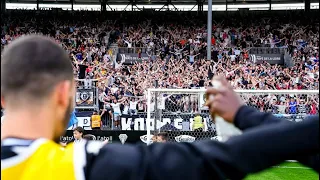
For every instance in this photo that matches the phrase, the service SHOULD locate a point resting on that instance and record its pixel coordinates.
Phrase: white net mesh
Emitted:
(182, 115)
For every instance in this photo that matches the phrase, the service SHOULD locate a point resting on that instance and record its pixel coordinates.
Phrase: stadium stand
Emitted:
(121, 57)
(117, 56)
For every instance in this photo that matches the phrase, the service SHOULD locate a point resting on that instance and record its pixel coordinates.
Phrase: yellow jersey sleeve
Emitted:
(44, 160)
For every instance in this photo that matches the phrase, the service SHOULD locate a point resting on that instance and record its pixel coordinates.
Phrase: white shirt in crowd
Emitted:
(107, 106)
(88, 83)
(89, 57)
(140, 107)
(114, 89)
(103, 49)
(161, 102)
(116, 108)
(102, 96)
(282, 109)
(311, 75)
(129, 44)
(233, 57)
(106, 58)
(78, 141)
(117, 65)
(237, 52)
(185, 126)
(125, 110)
(133, 105)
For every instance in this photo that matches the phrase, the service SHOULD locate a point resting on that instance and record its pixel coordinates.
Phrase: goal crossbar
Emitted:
(238, 91)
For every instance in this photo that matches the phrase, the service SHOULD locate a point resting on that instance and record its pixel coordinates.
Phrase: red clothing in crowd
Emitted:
(245, 56)
(89, 69)
(183, 42)
(224, 36)
(313, 109)
(213, 41)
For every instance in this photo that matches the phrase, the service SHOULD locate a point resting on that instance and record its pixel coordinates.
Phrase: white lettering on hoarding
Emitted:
(83, 122)
(97, 138)
(144, 138)
(267, 58)
(185, 138)
(139, 123)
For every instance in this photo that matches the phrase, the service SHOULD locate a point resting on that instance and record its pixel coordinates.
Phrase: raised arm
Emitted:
(76, 79)
(99, 79)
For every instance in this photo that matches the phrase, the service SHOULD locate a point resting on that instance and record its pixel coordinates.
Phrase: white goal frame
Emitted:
(198, 91)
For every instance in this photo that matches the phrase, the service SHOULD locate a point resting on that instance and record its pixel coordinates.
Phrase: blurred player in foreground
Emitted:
(37, 92)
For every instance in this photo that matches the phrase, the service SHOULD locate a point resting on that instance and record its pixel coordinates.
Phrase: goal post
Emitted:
(174, 110)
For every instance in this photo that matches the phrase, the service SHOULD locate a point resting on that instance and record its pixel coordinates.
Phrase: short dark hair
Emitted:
(32, 66)
(163, 135)
(79, 129)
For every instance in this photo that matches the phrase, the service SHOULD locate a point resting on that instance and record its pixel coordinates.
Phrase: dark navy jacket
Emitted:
(266, 141)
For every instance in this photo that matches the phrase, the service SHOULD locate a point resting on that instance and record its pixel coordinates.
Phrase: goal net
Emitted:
(178, 111)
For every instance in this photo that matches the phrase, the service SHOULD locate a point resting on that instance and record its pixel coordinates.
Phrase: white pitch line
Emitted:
(291, 161)
(288, 167)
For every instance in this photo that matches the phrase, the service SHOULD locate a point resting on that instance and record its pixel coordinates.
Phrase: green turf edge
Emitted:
(285, 174)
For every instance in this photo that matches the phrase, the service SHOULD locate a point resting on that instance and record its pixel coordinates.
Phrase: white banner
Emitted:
(139, 123)
(82, 122)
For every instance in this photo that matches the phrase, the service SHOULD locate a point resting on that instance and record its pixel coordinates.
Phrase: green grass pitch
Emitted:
(286, 171)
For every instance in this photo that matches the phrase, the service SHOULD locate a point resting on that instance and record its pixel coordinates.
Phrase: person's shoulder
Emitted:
(20, 155)
(16, 151)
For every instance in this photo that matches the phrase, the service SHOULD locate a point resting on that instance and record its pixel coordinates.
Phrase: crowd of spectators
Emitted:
(176, 47)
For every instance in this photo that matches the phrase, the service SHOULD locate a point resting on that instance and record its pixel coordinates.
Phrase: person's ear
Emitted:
(63, 92)
(2, 102)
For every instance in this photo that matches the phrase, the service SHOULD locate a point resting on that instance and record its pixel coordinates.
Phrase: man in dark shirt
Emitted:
(201, 82)
(82, 71)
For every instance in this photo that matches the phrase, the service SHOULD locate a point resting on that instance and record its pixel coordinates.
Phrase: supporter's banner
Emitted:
(177, 122)
(85, 97)
(131, 58)
(138, 122)
(140, 137)
(83, 122)
(269, 58)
